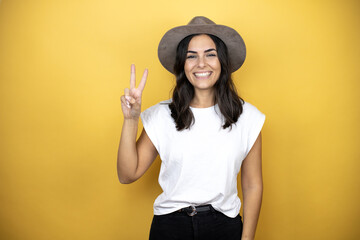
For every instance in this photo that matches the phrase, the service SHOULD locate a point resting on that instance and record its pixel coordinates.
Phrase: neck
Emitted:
(203, 99)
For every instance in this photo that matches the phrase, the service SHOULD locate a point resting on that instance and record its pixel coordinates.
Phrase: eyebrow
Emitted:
(208, 50)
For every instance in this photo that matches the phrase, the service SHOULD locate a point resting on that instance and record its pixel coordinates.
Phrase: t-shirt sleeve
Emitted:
(149, 119)
(254, 123)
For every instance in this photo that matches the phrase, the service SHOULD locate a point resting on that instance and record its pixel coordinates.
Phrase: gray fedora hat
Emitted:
(201, 25)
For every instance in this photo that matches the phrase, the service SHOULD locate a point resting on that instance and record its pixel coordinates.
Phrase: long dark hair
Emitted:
(229, 102)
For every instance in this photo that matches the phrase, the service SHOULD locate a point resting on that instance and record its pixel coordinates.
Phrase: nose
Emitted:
(201, 62)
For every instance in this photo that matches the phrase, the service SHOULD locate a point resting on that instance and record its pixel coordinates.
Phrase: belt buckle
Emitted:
(194, 212)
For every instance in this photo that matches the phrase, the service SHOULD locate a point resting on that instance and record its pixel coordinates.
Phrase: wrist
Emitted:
(131, 123)
(246, 238)
(132, 120)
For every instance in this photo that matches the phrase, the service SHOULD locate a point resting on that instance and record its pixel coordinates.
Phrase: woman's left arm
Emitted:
(252, 188)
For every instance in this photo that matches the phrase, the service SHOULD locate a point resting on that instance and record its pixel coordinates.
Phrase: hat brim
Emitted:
(233, 41)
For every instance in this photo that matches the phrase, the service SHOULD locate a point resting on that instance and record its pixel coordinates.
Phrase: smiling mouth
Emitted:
(202, 74)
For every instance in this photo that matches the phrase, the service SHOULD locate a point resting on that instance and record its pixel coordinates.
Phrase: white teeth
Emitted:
(203, 74)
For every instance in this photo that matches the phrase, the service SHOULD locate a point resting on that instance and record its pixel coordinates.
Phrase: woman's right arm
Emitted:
(134, 157)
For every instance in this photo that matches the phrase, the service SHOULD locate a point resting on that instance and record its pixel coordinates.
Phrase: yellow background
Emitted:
(65, 63)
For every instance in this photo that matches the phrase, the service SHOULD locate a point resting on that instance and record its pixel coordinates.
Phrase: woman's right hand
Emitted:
(131, 100)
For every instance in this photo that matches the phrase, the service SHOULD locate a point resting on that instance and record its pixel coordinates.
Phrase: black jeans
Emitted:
(210, 225)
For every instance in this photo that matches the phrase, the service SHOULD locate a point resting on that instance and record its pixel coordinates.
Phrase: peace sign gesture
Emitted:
(131, 100)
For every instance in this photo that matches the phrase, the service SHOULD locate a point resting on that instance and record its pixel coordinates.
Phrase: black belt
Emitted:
(192, 210)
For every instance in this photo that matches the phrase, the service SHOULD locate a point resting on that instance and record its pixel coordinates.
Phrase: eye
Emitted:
(211, 55)
(190, 56)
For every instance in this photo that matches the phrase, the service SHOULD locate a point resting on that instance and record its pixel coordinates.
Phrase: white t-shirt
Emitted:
(200, 166)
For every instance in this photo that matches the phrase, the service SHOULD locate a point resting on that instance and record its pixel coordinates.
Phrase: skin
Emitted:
(135, 157)
(202, 69)
(252, 189)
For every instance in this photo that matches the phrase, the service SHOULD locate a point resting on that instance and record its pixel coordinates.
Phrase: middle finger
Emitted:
(132, 77)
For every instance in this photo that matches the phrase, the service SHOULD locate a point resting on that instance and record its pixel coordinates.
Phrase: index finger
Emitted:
(143, 80)
(132, 77)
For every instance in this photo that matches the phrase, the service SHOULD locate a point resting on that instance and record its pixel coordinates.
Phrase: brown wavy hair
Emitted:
(226, 96)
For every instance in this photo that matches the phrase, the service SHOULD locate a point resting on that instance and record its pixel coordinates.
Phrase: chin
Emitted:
(203, 88)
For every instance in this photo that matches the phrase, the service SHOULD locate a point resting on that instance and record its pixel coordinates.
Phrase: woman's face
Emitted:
(202, 66)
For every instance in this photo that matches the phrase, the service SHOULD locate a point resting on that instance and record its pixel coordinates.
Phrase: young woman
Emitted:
(204, 135)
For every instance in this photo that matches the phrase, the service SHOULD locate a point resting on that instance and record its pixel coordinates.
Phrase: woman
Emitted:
(204, 134)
